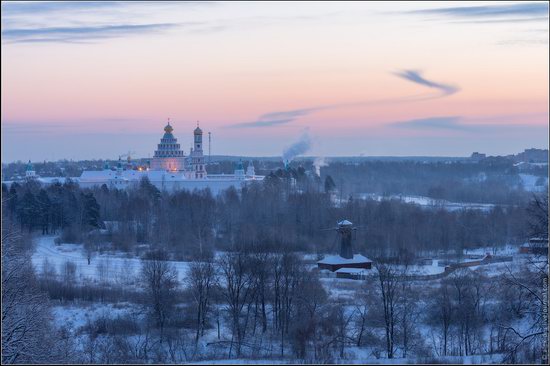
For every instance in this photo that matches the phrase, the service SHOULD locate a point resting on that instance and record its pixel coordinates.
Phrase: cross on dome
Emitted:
(198, 130)
(168, 128)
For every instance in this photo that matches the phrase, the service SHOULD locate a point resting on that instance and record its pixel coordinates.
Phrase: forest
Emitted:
(491, 180)
(273, 214)
(247, 292)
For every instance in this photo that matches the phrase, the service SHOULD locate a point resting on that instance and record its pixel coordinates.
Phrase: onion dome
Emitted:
(168, 128)
(29, 167)
(198, 130)
(168, 131)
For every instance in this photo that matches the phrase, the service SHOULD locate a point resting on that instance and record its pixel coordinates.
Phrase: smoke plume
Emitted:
(298, 148)
(318, 163)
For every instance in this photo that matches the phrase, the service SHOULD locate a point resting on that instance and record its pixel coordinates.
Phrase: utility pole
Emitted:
(209, 147)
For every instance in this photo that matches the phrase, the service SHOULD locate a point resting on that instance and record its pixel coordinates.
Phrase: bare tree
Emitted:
(160, 279)
(27, 334)
(537, 212)
(388, 281)
(91, 242)
(236, 290)
(200, 280)
(443, 312)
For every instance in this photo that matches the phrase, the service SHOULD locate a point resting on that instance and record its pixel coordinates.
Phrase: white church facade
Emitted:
(169, 170)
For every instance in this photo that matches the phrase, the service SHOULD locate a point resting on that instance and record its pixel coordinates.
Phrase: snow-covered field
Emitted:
(508, 249)
(430, 202)
(76, 316)
(104, 268)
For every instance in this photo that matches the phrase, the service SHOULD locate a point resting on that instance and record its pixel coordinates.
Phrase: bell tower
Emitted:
(29, 171)
(197, 156)
(198, 138)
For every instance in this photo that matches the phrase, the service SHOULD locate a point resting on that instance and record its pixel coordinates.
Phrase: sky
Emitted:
(94, 80)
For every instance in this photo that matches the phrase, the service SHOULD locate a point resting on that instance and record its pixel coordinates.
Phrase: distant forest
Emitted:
(491, 180)
(287, 211)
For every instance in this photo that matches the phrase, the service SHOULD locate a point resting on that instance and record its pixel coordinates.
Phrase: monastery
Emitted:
(170, 170)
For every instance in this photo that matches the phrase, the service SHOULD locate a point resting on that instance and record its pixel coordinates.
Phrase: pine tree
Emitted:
(12, 197)
(27, 211)
(329, 184)
(44, 207)
(91, 210)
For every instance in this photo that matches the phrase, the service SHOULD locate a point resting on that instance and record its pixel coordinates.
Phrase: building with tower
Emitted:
(198, 167)
(168, 155)
(346, 264)
(29, 171)
(169, 170)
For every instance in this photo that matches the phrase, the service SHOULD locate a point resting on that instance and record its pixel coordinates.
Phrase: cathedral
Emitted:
(170, 157)
(169, 170)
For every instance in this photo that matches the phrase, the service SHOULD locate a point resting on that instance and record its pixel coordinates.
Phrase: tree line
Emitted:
(287, 210)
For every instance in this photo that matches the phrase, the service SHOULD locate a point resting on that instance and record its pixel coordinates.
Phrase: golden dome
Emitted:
(168, 128)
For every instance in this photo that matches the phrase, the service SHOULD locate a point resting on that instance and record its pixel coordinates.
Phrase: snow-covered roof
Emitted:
(345, 223)
(336, 259)
(350, 270)
(62, 180)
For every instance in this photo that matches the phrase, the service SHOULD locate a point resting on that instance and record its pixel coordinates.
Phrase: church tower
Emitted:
(239, 171)
(250, 172)
(197, 156)
(29, 171)
(168, 155)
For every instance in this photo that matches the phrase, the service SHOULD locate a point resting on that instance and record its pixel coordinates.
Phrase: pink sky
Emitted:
(90, 80)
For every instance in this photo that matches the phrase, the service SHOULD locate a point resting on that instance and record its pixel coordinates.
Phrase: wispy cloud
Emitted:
(18, 7)
(444, 122)
(525, 10)
(284, 117)
(79, 34)
(474, 125)
(524, 42)
(33, 7)
(277, 118)
(416, 77)
(504, 20)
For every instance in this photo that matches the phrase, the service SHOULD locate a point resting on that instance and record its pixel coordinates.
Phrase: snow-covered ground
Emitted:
(430, 202)
(76, 316)
(243, 361)
(104, 268)
(508, 249)
(529, 182)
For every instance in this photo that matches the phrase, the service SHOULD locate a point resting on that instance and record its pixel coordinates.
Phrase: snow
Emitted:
(242, 361)
(364, 355)
(336, 259)
(108, 268)
(529, 183)
(429, 202)
(508, 249)
(422, 270)
(351, 270)
(78, 315)
(345, 223)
